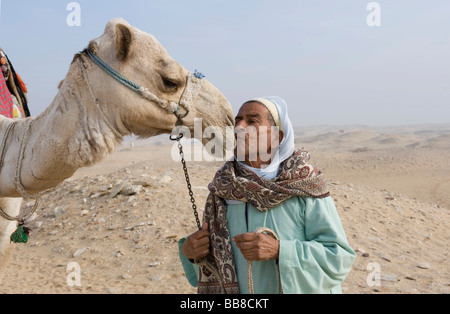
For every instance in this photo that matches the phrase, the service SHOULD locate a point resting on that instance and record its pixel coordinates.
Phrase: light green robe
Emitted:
(314, 256)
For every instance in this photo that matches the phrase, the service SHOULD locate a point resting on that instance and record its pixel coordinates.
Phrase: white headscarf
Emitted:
(287, 145)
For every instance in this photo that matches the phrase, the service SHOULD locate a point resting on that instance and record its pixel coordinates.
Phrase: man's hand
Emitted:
(257, 246)
(197, 245)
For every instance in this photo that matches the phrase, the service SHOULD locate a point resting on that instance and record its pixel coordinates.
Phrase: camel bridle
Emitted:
(194, 81)
(193, 85)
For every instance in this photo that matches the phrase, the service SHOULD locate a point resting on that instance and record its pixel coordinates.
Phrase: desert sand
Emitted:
(120, 220)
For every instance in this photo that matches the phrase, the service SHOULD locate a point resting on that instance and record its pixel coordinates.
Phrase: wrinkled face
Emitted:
(257, 137)
(140, 58)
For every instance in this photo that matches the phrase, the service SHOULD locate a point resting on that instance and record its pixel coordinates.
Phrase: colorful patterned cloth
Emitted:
(235, 182)
(6, 101)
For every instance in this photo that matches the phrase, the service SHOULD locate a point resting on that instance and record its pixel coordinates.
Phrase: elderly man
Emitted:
(283, 193)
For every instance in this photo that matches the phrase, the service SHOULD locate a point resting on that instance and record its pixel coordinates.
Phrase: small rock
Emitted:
(154, 264)
(142, 183)
(166, 179)
(131, 190)
(388, 277)
(386, 259)
(105, 188)
(424, 266)
(155, 278)
(375, 239)
(358, 266)
(116, 190)
(360, 250)
(59, 211)
(79, 252)
(95, 195)
(126, 276)
(398, 210)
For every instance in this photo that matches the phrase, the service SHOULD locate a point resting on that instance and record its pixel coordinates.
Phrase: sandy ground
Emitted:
(391, 187)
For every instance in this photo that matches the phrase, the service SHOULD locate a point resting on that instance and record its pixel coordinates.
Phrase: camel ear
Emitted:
(124, 38)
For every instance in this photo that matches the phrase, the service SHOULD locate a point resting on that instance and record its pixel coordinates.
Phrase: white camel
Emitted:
(92, 112)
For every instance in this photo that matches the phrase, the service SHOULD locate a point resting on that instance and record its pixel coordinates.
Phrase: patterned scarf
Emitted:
(236, 182)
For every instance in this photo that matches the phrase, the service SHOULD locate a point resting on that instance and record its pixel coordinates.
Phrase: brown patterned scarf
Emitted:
(236, 182)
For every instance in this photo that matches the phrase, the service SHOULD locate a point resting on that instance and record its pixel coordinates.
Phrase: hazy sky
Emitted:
(320, 56)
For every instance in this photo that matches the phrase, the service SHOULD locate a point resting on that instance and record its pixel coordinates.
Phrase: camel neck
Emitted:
(73, 132)
(93, 131)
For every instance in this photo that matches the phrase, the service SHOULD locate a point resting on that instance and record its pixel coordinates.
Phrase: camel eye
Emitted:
(169, 84)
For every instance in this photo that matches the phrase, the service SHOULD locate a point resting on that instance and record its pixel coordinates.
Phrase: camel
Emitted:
(92, 112)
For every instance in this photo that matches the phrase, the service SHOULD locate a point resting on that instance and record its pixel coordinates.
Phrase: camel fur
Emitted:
(74, 132)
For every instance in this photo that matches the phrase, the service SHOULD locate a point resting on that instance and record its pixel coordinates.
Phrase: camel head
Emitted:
(140, 58)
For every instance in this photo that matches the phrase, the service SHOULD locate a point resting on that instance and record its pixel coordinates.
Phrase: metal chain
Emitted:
(188, 181)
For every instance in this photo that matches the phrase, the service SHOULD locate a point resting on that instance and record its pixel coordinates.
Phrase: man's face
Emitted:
(256, 136)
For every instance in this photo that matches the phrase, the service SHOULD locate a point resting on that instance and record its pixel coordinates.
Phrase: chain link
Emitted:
(188, 181)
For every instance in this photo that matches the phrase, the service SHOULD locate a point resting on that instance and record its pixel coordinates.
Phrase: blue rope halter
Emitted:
(113, 73)
(135, 87)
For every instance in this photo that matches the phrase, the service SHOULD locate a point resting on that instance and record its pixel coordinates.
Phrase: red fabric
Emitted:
(6, 102)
